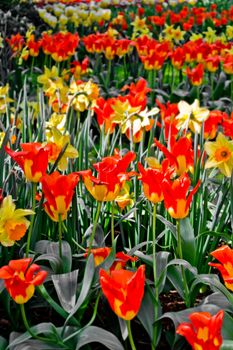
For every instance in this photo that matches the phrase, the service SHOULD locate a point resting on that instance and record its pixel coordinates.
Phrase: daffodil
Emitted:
(13, 224)
(50, 80)
(83, 95)
(4, 99)
(191, 116)
(125, 198)
(220, 154)
(55, 145)
(139, 27)
(210, 35)
(229, 32)
(56, 121)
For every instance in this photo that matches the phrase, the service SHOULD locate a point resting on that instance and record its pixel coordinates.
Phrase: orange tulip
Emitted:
(111, 176)
(204, 331)
(196, 74)
(176, 198)
(33, 159)
(124, 290)
(152, 183)
(181, 155)
(224, 255)
(58, 190)
(21, 278)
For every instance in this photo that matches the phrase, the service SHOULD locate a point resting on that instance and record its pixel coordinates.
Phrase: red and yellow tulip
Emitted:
(21, 277)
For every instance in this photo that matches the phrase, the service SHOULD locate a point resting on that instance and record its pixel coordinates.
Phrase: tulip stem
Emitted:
(155, 275)
(94, 227)
(60, 234)
(112, 223)
(28, 328)
(34, 187)
(133, 347)
(180, 253)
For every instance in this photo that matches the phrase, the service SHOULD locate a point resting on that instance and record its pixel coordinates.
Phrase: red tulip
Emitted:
(111, 176)
(176, 198)
(21, 278)
(124, 290)
(204, 331)
(33, 159)
(58, 190)
(224, 255)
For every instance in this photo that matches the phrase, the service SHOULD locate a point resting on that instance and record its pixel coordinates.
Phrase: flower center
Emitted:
(222, 154)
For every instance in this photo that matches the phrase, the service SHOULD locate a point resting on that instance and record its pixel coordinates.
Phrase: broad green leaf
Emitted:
(3, 343)
(96, 334)
(47, 329)
(54, 260)
(66, 287)
(86, 285)
(187, 240)
(99, 236)
(53, 248)
(227, 345)
(146, 313)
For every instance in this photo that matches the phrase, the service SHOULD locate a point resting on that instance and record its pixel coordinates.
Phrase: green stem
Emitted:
(133, 347)
(109, 73)
(60, 234)
(94, 227)
(180, 253)
(112, 223)
(89, 323)
(56, 307)
(155, 276)
(28, 328)
(34, 187)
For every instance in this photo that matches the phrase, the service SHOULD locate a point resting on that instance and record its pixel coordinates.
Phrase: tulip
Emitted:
(21, 278)
(224, 255)
(33, 159)
(124, 290)
(204, 331)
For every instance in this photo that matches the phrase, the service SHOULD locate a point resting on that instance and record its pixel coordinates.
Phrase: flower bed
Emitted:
(116, 159)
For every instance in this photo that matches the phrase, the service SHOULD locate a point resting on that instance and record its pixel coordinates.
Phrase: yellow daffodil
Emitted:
(210, 35)
(13, 224)
(191, 116)
(139, 27)
(56, 121)
(220, 154)
(125, 198)
(83, 95)
(229, 32)
(55, 144)
(50, 80)
(4, 99)
(178, 34)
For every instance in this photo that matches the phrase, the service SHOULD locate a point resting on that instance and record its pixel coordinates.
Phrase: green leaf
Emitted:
(43, 328)
(161, 267)
(3, 343)
(99, 236)
(66, 286)
(227, 345)
(87, 281)
(2, 154)
(54, 260)
(146, 313)
(96, 334)
(53, 248)
(188, 241)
